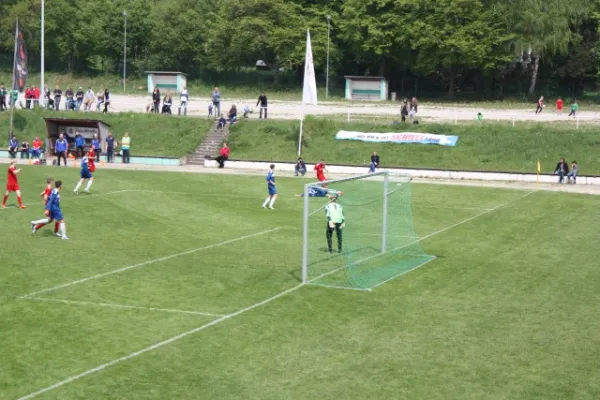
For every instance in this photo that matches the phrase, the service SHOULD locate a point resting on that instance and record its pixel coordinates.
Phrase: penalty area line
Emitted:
(125, 306)
(142, 264)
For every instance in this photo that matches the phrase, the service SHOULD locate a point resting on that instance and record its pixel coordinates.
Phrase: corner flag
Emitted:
(309, 92)
(539, 167)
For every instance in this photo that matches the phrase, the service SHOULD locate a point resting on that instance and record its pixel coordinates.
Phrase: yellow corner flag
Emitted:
(539, 167)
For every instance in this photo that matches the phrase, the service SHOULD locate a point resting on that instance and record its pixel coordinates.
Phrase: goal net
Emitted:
(377, 238)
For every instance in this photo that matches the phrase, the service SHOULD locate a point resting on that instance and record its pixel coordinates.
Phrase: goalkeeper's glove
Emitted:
(331, 224)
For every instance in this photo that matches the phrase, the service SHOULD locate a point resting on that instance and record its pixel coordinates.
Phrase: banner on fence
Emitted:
(399, 137)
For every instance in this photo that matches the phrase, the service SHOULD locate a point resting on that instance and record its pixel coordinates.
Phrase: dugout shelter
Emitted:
(166, 81)
(374, 88)
(86, 128)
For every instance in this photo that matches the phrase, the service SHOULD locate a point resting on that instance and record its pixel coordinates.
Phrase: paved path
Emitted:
(581, 189)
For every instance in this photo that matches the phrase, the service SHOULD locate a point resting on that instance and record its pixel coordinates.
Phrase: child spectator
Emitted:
(562, 170)
(574, 109)
(210, 110)
(222, 122)
(573, 173)
(559, 106)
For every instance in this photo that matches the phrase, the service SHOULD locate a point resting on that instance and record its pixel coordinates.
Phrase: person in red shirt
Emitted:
(223, 155)
(36, 145)
(12, 184)
(559, 106)
(320, 170)
(91, 155)
(28, 97)
(36, 96)
(46, 193)
(37, 225)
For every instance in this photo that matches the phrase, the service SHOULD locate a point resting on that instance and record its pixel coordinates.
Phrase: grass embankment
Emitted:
(485, 147)
(151, 135)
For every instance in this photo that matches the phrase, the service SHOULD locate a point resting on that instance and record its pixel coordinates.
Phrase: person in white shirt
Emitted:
(183, 101)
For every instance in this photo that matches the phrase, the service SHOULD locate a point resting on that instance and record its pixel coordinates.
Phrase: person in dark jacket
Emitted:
(156, 100)
(562, 170)
(262, 100)
(404, 109)
(374, 162)
(60, 148)
(300, 167)
(13, 146)
(106, 100)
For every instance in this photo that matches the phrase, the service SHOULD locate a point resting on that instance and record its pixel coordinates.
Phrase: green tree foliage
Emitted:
(540, 45)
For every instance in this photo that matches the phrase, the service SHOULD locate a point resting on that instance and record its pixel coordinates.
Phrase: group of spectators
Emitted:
(76, 146)
(409, 109)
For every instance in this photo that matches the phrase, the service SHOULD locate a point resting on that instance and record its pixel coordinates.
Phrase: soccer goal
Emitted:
(378, 240)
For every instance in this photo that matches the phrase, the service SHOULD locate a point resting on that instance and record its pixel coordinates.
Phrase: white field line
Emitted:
(429, 235)
(185, 334)
(402, 273)
(87, 303)
(116, 271)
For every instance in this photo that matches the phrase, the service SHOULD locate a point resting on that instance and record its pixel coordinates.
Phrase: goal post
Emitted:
(377, 240)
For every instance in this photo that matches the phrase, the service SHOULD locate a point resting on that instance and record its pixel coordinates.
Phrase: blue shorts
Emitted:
(86, 175)
(56, 215)
(272, 190)
(372, 167)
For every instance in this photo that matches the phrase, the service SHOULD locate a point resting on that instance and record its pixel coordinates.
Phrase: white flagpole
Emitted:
(14, 105)
(309, 89)
(42, 66)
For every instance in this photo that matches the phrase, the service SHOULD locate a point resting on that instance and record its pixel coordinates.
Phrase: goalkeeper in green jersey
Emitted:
(335, 222)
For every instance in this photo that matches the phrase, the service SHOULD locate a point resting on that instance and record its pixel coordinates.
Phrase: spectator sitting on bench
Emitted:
(25, 149)
(222, 122)
(562, 169)
(13, 146)
(36, 148)
(573, 173)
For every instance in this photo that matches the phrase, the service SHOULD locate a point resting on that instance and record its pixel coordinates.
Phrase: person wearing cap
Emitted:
(335, 222)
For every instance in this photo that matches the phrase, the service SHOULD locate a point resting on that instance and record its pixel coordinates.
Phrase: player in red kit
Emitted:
(320, 170)
(48, 191)
(36, 225)
(91, 158)
(12, 184)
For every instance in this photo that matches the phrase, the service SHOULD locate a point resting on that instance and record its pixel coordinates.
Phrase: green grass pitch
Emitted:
(508, 310)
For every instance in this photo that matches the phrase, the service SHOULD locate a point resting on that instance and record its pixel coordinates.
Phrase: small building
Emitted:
(86, 128)
(166, 81)
(374, 88)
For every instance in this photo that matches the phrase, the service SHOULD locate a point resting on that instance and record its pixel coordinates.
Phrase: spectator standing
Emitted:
(574, 109)
(404, 109)
(540, 105)
(156, 99)
(223, 155)
(559, 106)
(110, 147)
(96, 147)
(184, 97)
(69, 102)
(49, 102)
(216, 99)
(106, 100)
(14, 96)
(573, 173)
(562, 170)
(414, 105)
(3, 94)
(79, 98)
(60, 148)
(88, 100)
(167, 103)
(100, 100)
(79, 145)
(13, 146)
(25, 149)
(300, 167)
(28, 97)
(374, 162)
(57, 96)
(262, 100)
(36, 96)
(125, 146)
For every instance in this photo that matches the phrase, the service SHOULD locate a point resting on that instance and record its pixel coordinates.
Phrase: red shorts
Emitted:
(321, 178)
(12, 187)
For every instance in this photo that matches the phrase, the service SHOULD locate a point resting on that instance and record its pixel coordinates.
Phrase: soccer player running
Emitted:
(335, 222)
(37, 225)
(53, 211)
(12, 184)
(320, 170)
(270, 200)
(86, 174)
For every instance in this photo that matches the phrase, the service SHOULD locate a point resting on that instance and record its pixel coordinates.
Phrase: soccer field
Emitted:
(179, 286)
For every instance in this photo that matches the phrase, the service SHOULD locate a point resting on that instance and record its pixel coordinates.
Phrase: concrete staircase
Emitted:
(209, 148)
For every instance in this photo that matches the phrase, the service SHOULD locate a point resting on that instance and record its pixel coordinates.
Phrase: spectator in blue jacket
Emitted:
(60, 148)
(96, 146)
(13, 146)
(79, 145)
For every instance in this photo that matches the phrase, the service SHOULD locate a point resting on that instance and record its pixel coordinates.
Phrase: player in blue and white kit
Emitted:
(53, 211)
(270, 200)
(86, 174)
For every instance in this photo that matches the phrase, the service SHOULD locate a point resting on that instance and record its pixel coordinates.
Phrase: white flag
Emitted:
(309, 92)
